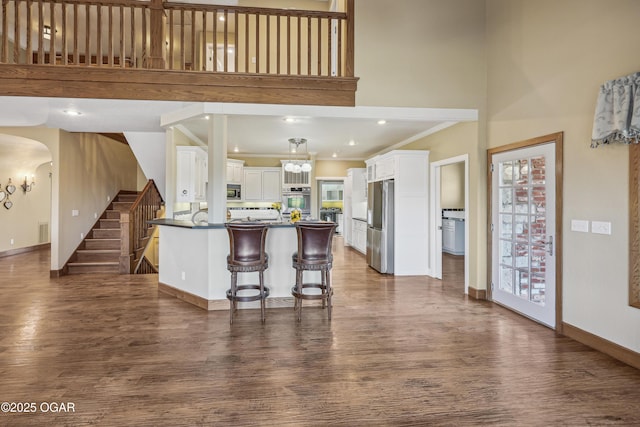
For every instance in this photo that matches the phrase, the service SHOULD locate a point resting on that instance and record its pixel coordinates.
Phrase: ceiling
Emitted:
(255, 129)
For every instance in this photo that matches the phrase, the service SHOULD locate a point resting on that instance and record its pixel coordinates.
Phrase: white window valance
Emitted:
(617, 117)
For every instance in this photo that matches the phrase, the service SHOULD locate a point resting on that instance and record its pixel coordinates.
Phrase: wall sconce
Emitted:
(27, 187)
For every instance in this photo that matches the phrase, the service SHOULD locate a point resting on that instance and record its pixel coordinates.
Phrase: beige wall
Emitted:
(336, 168)
(547, 59)
(21, 222)
(420, 53)
(452, 186)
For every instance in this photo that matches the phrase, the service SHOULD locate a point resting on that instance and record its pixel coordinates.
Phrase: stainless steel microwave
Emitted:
(233, 192)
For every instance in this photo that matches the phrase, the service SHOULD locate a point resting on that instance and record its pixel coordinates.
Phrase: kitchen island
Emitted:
(193, 264)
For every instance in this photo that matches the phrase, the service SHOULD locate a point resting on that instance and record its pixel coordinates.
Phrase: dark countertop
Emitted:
(190, 224)
(360, 219)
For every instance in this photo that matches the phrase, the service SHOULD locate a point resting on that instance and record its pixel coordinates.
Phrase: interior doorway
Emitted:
(450, 215)
(331, 202)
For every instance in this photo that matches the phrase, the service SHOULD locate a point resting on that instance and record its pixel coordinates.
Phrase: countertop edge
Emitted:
(192, 225)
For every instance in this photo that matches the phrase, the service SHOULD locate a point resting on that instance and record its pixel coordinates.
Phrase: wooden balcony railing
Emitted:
(177, 36)
(134, 229)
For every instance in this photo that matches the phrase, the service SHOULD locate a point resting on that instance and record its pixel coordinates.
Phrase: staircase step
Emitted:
(109, 223)
(112, 214)
(97, 255)
(93, 267)
(122, 206)
(126, 198)
(105, 233)
(102, 244)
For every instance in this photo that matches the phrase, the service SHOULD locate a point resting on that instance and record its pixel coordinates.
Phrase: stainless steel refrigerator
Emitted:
(380, 226)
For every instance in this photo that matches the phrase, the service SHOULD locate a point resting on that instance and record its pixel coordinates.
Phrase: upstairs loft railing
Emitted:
(135, 34)
(135, 232)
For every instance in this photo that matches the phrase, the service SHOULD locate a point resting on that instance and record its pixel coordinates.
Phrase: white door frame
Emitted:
(435, 221)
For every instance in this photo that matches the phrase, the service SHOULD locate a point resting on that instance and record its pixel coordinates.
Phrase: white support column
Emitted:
(217, 163)
(170, 174)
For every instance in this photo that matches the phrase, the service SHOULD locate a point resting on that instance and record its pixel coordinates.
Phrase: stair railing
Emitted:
(134, 229)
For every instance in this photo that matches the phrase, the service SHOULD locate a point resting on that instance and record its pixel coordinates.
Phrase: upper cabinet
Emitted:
(293, 179)
(191, 174)
(235, 171)
(262, 185)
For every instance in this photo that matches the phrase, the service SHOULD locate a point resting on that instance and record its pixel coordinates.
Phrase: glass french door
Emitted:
(523, 231)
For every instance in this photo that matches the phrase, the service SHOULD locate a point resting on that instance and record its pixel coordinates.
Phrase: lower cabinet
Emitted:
(453, 236)
(359, 235)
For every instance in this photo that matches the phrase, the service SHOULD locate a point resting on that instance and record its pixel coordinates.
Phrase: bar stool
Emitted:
(246, 254)
(314, 254)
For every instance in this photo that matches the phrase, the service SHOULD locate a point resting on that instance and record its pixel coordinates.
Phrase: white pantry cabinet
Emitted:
(191, 174)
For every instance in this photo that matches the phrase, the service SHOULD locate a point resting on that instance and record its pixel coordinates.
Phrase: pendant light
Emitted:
(296, 166)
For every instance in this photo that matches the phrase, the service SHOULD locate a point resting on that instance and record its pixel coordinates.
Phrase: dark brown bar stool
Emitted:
(246, 247)
(314, 254)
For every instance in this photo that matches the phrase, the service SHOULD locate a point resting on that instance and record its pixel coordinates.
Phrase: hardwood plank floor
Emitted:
(399, 351)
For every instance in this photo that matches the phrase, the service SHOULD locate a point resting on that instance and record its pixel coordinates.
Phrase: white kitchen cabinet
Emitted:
(359, 230)
(262, 185)
(453, 236)
(358, 184)
(191, 174)
(235, 171)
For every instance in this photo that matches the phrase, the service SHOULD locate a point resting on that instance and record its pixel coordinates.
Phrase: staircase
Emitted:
(100, 250)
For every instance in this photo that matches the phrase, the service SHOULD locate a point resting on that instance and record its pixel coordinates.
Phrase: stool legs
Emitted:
(232, 301)
(262, 300)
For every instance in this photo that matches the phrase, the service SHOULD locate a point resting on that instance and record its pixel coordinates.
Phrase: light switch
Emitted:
(600, 227)
(580, 225)
(75, 212)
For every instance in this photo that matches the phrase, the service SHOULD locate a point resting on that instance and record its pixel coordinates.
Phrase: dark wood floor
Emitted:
(399, 351)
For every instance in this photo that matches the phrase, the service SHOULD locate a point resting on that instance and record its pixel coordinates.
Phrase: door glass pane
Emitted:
(506, 256)
(538, 286)
(506, 173)
(522, 227)
(538, 170)
(522, 255)
(522, 200)
(506, 200)
(506, 226)
(506, 279)
(521, 173)
(538, 200)
(522, 283)
(538, 230)
(538, 259)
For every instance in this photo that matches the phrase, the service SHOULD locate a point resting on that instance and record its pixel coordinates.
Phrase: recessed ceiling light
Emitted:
(236, 149)
(72, 113)
(206, 117)
(352, 143)
(221, 18)
(382, 122)
(289, 120)
(334, 155)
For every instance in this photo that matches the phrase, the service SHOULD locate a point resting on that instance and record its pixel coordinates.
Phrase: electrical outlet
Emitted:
(12, 242)
(184, 276)
(81, 236)
(75, 212)
(95, 215)
(108, 198)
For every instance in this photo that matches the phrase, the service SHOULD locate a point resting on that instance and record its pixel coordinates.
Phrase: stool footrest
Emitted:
(302, 295)
(248, 298)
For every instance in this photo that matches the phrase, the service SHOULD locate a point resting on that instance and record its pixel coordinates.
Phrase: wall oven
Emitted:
(297, 198)
(233, 192)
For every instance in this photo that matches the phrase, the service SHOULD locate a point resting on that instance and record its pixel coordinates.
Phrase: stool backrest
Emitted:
(314, 239)
(246, 241)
